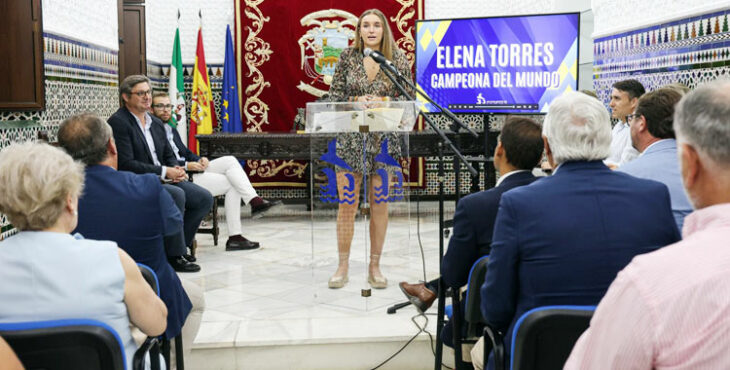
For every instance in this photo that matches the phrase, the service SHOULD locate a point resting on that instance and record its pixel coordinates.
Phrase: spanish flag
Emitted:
(202, 111)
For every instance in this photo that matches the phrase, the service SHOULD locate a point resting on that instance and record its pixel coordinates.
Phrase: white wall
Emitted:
(436, 9)
(162, 20)
(615, 16)
(93, 21)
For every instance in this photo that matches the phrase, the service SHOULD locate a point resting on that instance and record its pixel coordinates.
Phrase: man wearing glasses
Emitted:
(222, 176)
(653, 136)
(143, 148)
(624, 97)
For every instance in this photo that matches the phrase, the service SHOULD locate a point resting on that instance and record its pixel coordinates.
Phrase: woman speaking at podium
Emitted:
(358, 79)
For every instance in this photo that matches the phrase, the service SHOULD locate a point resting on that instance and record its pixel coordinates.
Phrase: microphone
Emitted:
(379, 58)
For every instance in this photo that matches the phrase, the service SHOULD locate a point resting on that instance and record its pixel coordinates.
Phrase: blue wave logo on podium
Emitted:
(387, 192)
(328, 193)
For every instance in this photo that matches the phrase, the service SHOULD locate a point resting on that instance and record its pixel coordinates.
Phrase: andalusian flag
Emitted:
(202, 111)
(230, 111)
(176, 88)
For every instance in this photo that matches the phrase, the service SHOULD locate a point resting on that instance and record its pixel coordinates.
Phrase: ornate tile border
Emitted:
(665, 53)
(80, 77)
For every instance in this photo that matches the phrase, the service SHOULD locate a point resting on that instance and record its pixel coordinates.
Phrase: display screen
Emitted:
(513, 64)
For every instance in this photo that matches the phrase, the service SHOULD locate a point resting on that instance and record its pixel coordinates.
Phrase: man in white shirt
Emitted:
(624, 98)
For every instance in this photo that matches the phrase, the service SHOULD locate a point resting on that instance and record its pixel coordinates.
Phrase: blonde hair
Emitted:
(35, 180)
(387, 44)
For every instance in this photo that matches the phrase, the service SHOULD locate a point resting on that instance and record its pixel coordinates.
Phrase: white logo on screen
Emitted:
(480, 99)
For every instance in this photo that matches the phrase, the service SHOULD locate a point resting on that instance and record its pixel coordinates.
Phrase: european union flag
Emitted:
(230, 110)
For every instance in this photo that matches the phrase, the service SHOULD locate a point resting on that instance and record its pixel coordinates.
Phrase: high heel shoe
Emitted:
(337, 282)
(377, 282)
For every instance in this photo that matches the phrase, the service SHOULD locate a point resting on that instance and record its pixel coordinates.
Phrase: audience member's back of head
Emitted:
(702, 120)
(678, 87)
(633, 87)
(657, 107)
(522, 141)
(577, 128)
(85, 137)
(36, 180)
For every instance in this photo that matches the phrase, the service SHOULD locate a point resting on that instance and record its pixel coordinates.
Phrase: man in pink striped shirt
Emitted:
(671, 308)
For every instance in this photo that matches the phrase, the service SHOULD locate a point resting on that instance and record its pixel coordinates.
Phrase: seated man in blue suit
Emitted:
(519, 150)
(652, 135)
(143, 148)
(132, 210)
(563, 239)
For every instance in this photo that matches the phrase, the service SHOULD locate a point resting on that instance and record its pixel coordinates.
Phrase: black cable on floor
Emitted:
(421, 329)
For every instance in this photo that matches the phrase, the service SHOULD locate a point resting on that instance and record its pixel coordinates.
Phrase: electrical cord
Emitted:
(421, 329)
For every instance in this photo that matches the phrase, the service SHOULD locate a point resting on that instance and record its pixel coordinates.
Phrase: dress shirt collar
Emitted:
(508, 174)
(147, 121)
(660, 144)
(706, 218)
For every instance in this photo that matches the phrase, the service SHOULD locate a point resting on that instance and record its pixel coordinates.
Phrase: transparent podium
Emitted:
(361, 225)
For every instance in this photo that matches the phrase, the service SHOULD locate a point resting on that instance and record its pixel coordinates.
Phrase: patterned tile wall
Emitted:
(691, 51)
(80, 77)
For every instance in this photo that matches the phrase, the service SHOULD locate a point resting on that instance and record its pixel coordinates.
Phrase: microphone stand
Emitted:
(440, 152)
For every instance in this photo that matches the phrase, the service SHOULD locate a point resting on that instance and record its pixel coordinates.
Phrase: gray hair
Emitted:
(84, 137)
(36, 180)
(702, 119)
(129, 82)
(577, 128)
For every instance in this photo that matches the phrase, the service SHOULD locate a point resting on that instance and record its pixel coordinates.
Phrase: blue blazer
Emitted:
(473, 225)
(182, 149)
(659, 162)
(134, 154)
(563, 239)
(135, 212)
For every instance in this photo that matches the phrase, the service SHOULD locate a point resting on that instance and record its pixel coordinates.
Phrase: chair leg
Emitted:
(179, 361)
(215, 221)
(456, 321)
(154, 357)
(166, 352)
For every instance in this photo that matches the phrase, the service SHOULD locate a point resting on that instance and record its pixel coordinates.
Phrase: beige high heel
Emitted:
(377, 282)
(339, 281)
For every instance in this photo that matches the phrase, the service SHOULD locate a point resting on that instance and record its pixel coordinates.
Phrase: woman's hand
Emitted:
(370, 101)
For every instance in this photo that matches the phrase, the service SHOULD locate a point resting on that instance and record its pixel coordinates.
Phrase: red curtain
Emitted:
(281, 67)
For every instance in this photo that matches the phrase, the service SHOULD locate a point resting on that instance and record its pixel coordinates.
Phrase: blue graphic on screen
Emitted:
(510, 64)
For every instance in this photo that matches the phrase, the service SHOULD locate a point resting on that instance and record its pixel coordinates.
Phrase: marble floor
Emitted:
(271, 308)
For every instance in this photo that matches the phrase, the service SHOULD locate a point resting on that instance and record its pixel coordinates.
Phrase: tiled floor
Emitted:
(278, 296)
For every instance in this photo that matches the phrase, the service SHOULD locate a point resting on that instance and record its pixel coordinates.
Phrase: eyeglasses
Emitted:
(630, 117)
(162, 106)
(142, 94)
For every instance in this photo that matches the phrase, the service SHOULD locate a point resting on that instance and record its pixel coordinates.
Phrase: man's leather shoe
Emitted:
(180, 264)
(238, 243)
(190, 257)
(419, 296)
(258, 210)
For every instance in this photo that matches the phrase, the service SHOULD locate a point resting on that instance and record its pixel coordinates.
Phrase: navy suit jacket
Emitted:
(473, 226)
(135, 212)
(134, 154)
(563, 239)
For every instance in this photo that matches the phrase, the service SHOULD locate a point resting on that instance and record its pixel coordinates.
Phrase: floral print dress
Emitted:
(350, 81)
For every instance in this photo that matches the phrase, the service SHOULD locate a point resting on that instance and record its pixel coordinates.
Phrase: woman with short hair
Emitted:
(46, 273)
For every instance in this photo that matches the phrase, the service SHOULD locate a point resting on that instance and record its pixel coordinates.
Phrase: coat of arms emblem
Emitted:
(320, 47)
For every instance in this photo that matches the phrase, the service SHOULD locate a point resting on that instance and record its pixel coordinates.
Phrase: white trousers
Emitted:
(226, 176)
